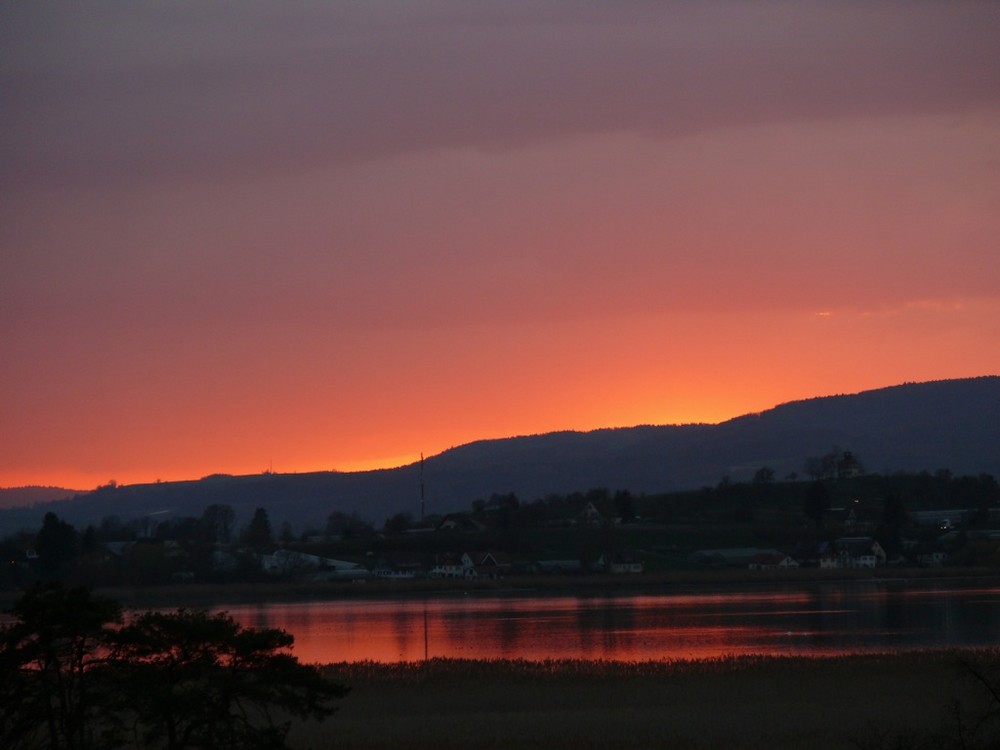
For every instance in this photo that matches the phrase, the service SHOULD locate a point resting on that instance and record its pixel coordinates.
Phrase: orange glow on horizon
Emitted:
(433, 443)
(260, 283)
(353, 461)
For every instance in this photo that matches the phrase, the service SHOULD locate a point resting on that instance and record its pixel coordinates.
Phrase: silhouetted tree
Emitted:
(257, 534)
(893, 510)
(825, 466)
(71, 680)
(217, 522)
(398, 523)
(503, 502)
(849, 465)
(817, 502)
(200, 680)
(56, 544)
(113, 530)
(625, 506)
(51, 693)
(346, 526)
(889, 530)
(149, 562)
(763, 478)
(88, 542)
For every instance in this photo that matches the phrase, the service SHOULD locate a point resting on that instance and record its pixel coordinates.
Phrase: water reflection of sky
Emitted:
(828, 619)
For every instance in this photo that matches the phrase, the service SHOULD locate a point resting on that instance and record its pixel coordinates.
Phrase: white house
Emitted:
(859, 552)
(492, 565)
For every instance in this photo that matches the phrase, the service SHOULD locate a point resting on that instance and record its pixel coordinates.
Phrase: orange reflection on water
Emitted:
(637, 628)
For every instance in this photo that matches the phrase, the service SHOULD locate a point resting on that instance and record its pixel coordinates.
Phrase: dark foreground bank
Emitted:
(916, 700)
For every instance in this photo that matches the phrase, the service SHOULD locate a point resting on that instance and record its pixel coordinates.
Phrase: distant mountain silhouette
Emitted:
(953, 424)
(13, 497)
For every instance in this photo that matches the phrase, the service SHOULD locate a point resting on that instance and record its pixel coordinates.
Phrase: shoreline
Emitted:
(688, 581)
(215, 595)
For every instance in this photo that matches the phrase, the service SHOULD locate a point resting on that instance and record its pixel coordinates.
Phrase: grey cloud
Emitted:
(132, 91)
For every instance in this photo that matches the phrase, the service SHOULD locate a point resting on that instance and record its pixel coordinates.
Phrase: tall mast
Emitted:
(421, 487)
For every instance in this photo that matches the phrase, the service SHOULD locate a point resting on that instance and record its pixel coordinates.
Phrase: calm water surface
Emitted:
(821, 619)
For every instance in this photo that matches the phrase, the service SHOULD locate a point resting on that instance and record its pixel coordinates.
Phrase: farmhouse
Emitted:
(491, 565)
(469, 565)
(859, 552)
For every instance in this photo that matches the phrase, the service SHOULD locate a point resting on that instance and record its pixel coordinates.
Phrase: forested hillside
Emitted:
(953, 424)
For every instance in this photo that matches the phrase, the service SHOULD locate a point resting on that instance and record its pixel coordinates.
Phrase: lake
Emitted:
(808, 620)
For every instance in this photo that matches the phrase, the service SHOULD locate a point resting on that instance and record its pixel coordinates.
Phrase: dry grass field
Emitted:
(857, 702)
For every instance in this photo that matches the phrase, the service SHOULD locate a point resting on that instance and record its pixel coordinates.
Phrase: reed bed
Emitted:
(448, 668)
(835, 703)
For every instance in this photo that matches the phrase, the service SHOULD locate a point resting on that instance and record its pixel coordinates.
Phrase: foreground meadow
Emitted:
(866, 701)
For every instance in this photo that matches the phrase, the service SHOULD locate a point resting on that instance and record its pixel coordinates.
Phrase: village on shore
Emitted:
(839, 518)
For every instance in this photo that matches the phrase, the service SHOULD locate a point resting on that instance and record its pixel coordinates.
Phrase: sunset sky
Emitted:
(333, 235)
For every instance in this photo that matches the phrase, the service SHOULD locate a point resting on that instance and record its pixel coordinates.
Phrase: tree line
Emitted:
(60, 551)
(211, 548)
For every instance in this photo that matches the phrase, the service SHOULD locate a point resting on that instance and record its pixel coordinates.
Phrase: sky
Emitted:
(321, 234)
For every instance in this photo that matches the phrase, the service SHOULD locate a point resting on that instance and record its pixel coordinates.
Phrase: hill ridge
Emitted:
(909, 427)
